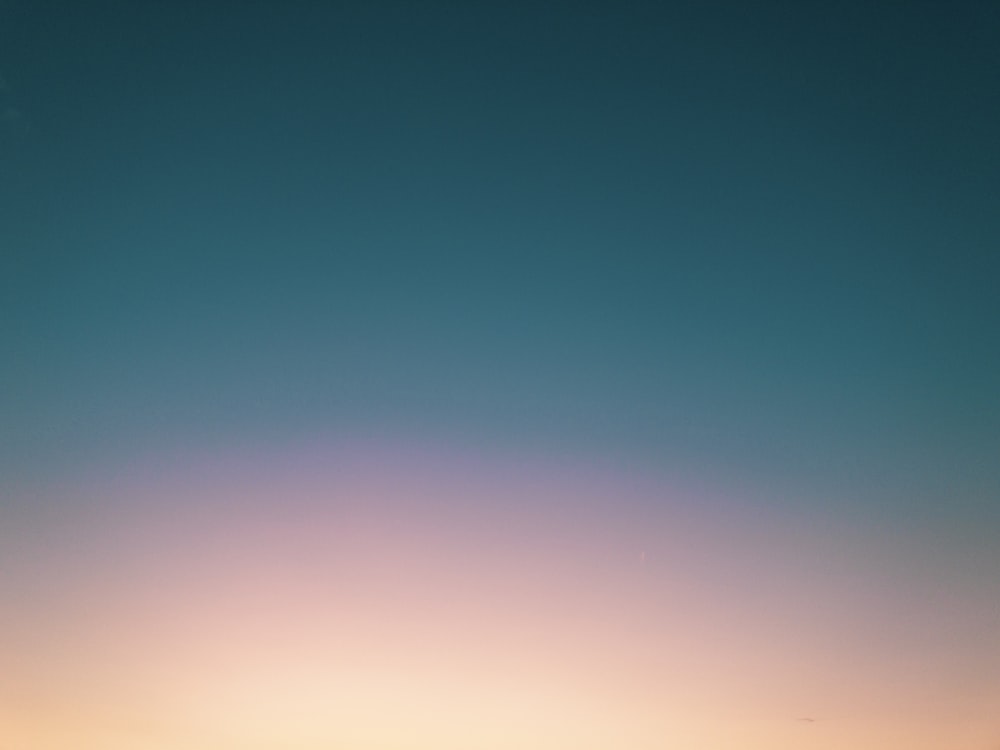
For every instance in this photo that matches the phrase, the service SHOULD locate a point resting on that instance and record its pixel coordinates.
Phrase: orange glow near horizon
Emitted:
(387, 602)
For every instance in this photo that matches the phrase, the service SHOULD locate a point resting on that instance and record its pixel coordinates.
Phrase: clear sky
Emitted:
(397, 376)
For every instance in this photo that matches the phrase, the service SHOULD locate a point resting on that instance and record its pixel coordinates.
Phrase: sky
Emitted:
(396, 376)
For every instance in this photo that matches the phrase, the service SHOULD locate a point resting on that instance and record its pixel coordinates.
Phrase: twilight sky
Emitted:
(399, 376)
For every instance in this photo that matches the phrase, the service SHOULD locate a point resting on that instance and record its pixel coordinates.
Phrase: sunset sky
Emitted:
(487, 376)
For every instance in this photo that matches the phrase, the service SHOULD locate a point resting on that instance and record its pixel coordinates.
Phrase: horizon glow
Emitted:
(400, 597)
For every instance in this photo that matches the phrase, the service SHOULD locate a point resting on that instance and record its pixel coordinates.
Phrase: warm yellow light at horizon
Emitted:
(466, 607)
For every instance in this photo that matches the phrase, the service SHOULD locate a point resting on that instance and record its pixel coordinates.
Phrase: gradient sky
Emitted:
(556, 376)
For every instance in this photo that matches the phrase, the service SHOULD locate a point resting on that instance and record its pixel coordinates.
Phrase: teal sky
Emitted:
(754, 243)
(533, 375)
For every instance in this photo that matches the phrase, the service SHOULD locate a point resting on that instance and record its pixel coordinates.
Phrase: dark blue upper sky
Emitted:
(755, 240)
